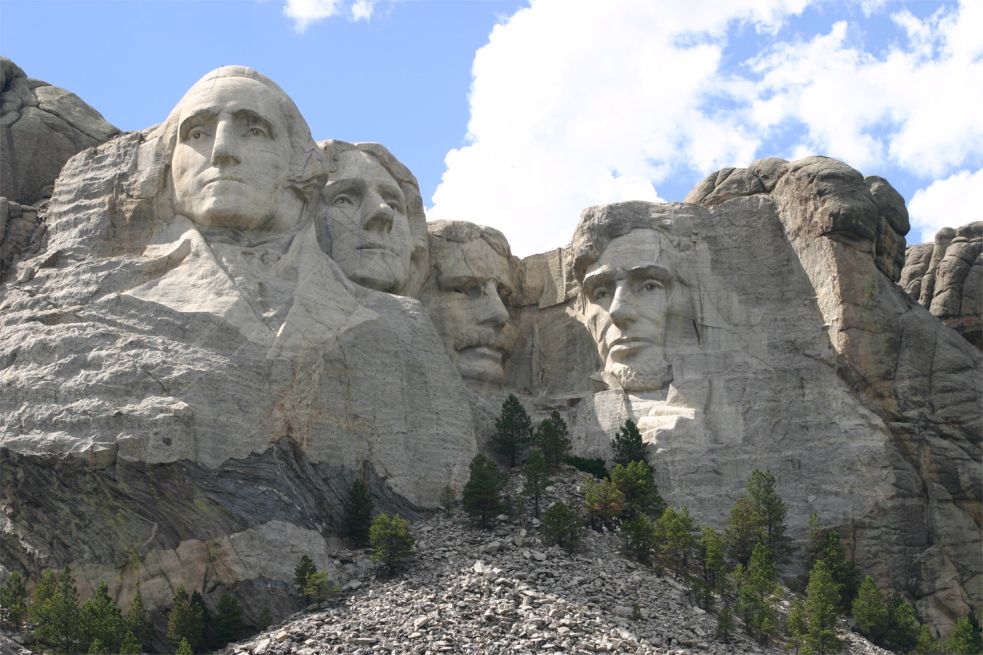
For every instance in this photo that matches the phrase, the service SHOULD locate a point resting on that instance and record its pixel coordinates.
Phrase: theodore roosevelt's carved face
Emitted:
(468, 306)
(231, 160)
(367, 223)
(626, 300)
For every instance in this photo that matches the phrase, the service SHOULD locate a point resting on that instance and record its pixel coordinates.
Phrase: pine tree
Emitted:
(903, 625)
(553, 438)
(771, 512)
(604, 503)
(710, 558)
(13, 601)
(628, 446)
(562, 525)
(482, 497)
(758, 517)
(448, 498)
(755, 585)
(101, 620)
(207, 640)
(826, 545)
(392, 543)
(965, 637)
(675, 537)
(639, 538)
(130, 645)
(186, 622)
(725, 624)
(822, 607)
(184, 648)
(55, 610)
(637, 482)
(513, 430)
(138, 622)
(303, 569)
(870, 611)
(358, 514)
(742, 531)
(319, 587)
(796, 627)
(228, 620)
(537, 478)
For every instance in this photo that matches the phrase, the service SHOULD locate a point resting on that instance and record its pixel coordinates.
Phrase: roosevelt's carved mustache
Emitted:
(473, 337)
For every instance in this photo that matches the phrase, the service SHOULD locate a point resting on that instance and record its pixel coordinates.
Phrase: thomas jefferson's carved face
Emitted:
(626, 296)
(232, 157)
(469, 309)
(367, 223)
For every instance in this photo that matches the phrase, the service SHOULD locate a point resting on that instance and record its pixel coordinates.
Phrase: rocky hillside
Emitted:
(506, 591)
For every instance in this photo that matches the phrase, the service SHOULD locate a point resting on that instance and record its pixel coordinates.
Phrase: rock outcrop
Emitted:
(190, 382)
(41, 127)
(946, 278)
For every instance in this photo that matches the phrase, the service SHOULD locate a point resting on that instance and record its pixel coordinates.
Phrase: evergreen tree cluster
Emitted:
(98, 626)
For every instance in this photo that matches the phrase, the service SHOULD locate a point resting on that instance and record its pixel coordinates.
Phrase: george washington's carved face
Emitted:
(232, 157)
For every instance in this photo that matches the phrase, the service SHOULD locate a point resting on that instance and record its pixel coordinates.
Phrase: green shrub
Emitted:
(627, 444)
(536, 478)
(482, 498)
(562, 525)
(675, 536)
(319, 587)
(553, 438)
(55, 611)
(637, 482)
(639, 538)
(392, 543)
(448, 498)
(357, 515)
(604, 503)
(101, 622)
(513, 430)
(186, 621)
(13, 601)
(301, 572)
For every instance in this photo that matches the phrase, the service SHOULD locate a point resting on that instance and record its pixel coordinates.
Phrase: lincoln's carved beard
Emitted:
(632, 380)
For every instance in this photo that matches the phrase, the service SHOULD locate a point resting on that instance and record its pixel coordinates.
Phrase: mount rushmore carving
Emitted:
(221, 323)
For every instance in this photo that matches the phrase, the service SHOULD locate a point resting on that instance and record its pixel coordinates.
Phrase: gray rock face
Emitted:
(920, 382)
(946, 277)
(192, 375)
(41, 127)
(220, 354)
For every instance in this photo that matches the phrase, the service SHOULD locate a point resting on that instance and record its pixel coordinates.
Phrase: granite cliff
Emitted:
(191, 382)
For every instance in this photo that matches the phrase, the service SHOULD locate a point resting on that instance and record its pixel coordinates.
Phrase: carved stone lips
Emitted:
(629, 343)
(487, 351)
(222, 178)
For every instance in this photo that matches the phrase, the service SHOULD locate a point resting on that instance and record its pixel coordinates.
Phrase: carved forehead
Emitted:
(234, 94)
(358, 164)
(639, 247)
(473, 258)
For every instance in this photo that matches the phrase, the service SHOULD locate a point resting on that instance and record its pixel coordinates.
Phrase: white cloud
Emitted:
(580, 103)
(915, 107)
(575, 103)
(306, 12)
(945, 203)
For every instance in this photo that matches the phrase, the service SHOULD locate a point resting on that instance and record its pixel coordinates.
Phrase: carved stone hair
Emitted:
(600, 225)
(307, 167)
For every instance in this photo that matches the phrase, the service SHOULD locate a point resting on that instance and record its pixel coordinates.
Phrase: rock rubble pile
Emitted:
(506, 591)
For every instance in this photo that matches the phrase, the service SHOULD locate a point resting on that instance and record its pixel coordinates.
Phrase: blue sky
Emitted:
(519, 114)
